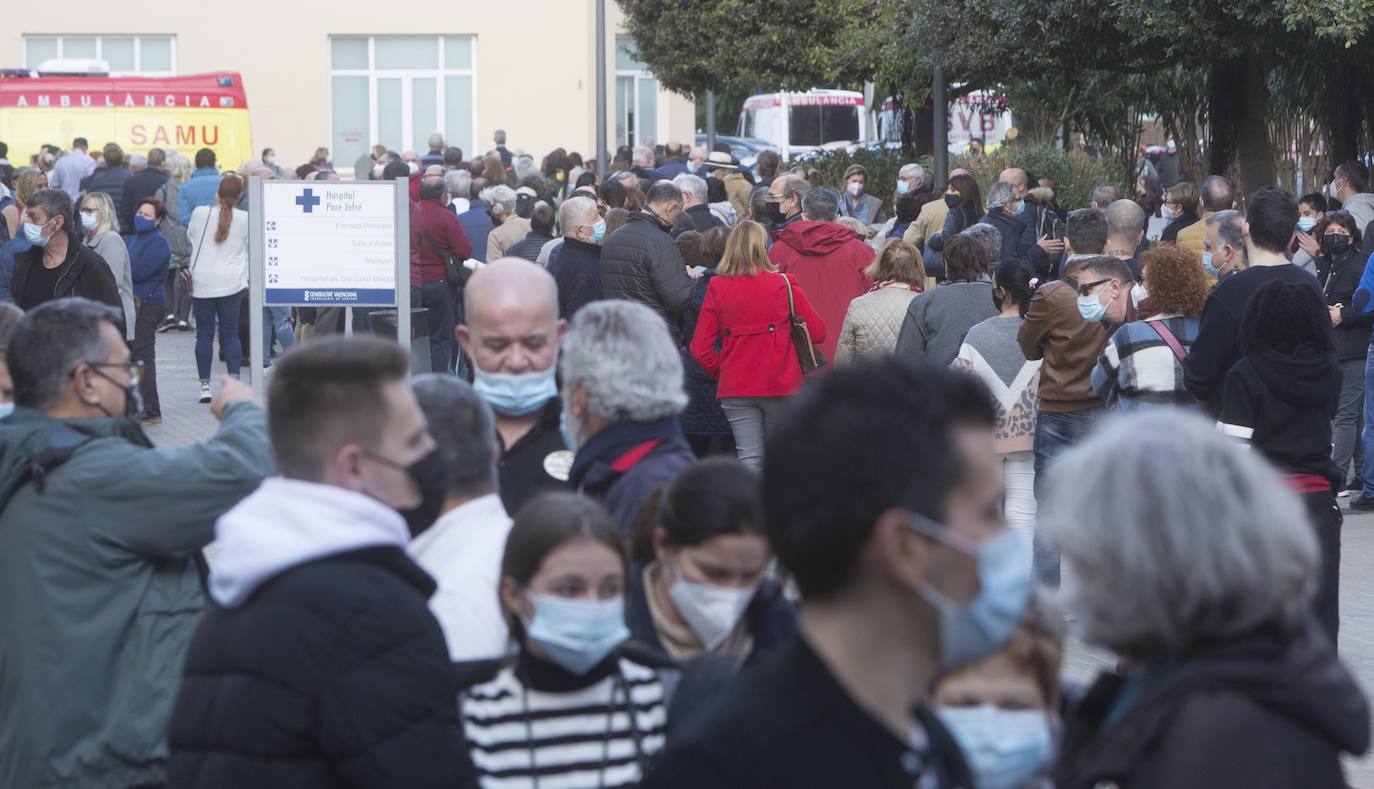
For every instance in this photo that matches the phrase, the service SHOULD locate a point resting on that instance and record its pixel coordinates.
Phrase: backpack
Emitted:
(172, 229)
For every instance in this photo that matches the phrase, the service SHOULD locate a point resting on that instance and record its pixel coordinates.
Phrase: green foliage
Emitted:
(1075, 173)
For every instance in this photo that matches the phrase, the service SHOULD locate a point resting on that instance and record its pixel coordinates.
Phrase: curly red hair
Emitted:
(1175, 279)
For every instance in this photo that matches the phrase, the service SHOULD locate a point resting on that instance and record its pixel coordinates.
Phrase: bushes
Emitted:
(1075, 173)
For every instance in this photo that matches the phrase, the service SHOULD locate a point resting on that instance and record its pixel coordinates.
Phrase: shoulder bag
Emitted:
(454, 271)
(184, 274)
(810, 357)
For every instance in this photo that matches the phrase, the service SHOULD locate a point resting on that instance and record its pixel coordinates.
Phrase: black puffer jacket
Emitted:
(1339, 278)
(1261, 711)
(640, 262)
(343, 658)
(111, 181)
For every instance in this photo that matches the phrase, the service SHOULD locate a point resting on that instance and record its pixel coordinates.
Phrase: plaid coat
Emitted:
(1138, 369)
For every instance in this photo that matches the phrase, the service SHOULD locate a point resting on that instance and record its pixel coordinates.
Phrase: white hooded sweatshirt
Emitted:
(286, 523)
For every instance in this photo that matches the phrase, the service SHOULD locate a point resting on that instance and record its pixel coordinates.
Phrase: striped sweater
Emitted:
(535, 726)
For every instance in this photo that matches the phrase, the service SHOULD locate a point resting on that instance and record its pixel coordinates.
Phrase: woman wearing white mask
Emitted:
(100, 231)
(571, 708)
(1003, 710)
(864, 207)
(698, 587)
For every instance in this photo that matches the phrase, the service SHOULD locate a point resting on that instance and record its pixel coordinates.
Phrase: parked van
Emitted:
(800, 122)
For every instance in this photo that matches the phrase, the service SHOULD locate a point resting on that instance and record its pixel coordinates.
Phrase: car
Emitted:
(745, 149)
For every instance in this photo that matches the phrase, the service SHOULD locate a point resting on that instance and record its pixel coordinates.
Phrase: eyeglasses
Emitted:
(1087, 289)
(134, 370)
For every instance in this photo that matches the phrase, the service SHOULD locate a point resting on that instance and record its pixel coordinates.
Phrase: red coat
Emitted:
(828, 260)
(749, 316)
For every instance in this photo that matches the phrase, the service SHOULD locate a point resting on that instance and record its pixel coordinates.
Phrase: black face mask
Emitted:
(428, 473)
(133, 397)
(775, 214)
(1335, 243)
(952, 201)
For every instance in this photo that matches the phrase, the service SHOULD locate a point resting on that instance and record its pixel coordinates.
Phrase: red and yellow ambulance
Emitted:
(173, 113)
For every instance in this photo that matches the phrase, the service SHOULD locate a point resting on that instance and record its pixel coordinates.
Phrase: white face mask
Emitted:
(711, 611)
(377, 172)
(855, 188)
(414, 168)
(1139, 294)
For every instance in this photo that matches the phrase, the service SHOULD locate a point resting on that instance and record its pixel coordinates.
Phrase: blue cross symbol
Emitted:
(307, 201)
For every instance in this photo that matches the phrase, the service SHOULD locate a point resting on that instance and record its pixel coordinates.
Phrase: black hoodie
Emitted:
(1283, 404)
(1259, 710)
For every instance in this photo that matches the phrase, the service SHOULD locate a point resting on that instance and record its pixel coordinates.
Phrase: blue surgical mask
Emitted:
(1003, 748)
(90, 220)
(577, 634)
(1020, 206)
(1090, 308)
(691, 167)
(598, 232)
(1306, 223)
(971, 632)
(143, 224)
(568, 432)
(903, 187)
(34, 234)
(1212, 271)
(6, 409)
(515, 394)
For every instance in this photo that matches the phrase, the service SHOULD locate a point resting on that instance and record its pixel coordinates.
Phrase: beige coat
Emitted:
(737, 188)
(504, 237)
(873, 323)
(930, 221)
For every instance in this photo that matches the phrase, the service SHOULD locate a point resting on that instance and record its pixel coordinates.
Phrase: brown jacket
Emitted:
(737, 189)
(1054, 331)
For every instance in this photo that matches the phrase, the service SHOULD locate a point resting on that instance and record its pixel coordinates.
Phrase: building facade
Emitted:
(347, 74)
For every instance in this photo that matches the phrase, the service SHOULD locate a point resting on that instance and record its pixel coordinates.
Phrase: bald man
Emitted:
(931, 220)
(511, 331)
(1033, 213)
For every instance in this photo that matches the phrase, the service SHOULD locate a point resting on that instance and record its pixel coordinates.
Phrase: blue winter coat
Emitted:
(149, 257)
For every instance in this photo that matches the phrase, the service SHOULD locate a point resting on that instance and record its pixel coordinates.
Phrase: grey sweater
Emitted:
(937, 320)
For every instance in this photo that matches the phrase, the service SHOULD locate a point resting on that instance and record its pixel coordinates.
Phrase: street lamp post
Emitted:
(940, 132)
(710, 120)
(601, 163)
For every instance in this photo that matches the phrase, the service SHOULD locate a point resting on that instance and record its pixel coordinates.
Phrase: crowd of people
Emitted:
(720, 478)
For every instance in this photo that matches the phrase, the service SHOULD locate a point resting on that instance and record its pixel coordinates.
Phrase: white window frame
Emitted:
(138, 71)
(407, 77)
(637, 133)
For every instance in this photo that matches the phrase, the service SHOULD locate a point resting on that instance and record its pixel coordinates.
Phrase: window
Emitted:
(819, 124)
(636, 97)
(397, 90)
(151, 56)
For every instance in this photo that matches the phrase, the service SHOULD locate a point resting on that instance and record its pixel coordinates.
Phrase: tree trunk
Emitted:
(923, 123)
(1342, 111)
(1255, 155)
(1222, 100)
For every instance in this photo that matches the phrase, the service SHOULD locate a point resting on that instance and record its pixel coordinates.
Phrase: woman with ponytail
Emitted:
(219, 276)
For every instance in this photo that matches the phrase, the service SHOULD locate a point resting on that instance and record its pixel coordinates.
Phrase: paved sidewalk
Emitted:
(186, 421)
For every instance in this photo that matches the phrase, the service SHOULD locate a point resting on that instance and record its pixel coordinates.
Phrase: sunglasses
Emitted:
(1087, 289)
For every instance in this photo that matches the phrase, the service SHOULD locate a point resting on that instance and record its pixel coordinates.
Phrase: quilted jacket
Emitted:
(873, 322)
(641, 262)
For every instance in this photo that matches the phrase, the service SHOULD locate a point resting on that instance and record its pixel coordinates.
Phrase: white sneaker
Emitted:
(1343, 494)
(205, 395)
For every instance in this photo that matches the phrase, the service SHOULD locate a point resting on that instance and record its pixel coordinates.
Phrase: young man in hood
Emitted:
(827, 259)
(319, 664)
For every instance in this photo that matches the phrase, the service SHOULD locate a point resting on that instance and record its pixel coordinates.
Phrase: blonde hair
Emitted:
(105, 216)
(855, 225)
(897, 262)
(26, 183)
(746, 251)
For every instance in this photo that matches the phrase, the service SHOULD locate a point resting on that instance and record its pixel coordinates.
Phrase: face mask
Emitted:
(428, 473)
(577, 634)
(1166, 212)
(34, 234)
(1335, 243)
(903, 187)
(271, 160)
(1212, 271)
(1020, 206)
(598, 232)
(952, 201)
(377, 172)
(413, 167)
(515, 394)
(133, 397)
(6, 409)
(568, 431)
(1332, 191)
(1306, 223)
(691, 167)
(855, 188)
(775, 214)
(1138, 294)
(969, 633)
(1090, 308)
(712, 611)
(89, 221)
(1003, 748)
(143, 224)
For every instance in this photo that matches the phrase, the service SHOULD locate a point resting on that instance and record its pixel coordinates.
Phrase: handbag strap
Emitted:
(1168, 337)
(791, 305)
(205, 228)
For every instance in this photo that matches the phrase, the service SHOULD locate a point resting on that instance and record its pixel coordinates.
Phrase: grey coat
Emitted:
(110, 246)
(99, 588)
(937, 320)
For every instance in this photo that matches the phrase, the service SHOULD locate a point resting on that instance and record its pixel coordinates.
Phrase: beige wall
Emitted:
(534, 61)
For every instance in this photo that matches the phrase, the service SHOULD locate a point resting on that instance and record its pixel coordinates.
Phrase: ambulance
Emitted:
(798, 122)
(184, 113)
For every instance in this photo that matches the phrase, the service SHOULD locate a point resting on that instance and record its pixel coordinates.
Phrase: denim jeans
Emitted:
(276, 321)
(226, 310)
(1345, 428)
(750, 419)
(1367, 437)
(1054, 433)
(437, 297)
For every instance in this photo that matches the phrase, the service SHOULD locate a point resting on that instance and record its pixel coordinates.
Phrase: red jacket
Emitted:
(828, 261)
(430, 221)
(749, 316)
